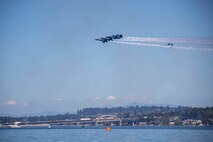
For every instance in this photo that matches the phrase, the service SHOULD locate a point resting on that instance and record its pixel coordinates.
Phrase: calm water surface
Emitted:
(101, 135)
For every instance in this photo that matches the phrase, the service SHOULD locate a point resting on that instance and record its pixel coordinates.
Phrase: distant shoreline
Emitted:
(141, 116)
(115, 127)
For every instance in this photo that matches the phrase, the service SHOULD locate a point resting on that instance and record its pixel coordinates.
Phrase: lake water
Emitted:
(101, 135)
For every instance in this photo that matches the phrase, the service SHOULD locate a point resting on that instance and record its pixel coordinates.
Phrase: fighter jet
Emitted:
(117, 36)
(102, 39)
(170, 45)
(110, 38)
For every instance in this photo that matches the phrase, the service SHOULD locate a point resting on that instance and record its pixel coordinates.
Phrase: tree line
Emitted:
(199, 113)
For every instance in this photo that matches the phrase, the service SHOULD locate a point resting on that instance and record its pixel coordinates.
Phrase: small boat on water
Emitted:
(15, 125)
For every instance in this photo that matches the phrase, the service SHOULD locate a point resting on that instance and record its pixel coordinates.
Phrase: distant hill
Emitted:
(136, 112)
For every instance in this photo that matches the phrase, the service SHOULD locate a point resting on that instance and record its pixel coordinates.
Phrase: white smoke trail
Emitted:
(168, 40)
(142, 44)
(165, 46)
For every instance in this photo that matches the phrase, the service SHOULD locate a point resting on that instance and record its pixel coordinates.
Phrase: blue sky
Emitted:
(49, 60)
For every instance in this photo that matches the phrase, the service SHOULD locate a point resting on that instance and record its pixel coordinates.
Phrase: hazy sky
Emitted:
(49, 60)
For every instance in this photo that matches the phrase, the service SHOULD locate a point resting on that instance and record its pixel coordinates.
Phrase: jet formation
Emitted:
(110, 38)
(170, 45)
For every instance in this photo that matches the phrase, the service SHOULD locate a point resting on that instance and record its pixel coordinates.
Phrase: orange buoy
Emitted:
(108, 129)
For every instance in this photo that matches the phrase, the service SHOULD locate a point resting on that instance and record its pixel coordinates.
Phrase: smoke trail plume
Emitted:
(166, 40)
(164, 46)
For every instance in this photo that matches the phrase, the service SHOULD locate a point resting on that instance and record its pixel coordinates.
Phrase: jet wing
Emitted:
(102, 39)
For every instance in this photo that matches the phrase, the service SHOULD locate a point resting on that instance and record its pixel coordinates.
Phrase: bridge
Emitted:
(107, 120)
(101, 120)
